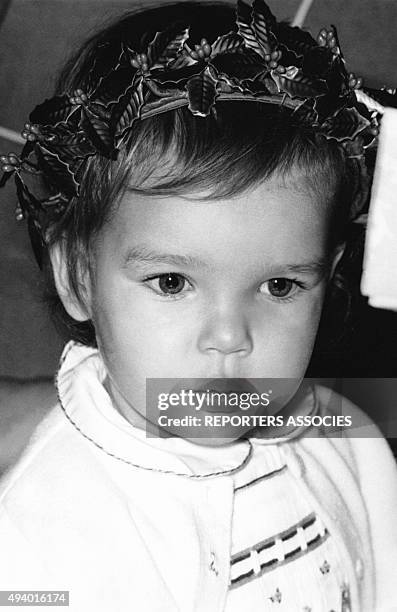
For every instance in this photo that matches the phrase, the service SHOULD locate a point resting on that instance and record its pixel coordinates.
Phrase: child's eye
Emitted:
(168, 284)
(280, 288)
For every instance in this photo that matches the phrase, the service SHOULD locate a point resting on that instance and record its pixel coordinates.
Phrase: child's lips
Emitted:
(229, 388)
(227, 385)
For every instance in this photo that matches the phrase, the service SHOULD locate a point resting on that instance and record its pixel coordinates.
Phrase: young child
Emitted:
(189, 193)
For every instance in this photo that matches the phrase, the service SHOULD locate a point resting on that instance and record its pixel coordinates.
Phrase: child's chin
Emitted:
(217, 435)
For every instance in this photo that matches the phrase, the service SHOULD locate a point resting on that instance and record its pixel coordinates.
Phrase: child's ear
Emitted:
(338, 253)
(77, 307)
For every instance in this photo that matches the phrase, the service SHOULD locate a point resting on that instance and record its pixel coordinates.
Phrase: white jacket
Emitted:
(73, 517)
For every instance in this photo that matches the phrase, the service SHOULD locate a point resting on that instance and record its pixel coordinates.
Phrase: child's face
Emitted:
(184, 288)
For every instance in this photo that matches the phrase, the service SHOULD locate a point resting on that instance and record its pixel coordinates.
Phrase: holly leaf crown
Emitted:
(261, 61)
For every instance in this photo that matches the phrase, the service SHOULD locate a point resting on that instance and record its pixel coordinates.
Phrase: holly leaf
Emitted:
(72, 146)
(29, 159)
(329, 105)
(339, 94)
(58, 172)
(166, 45)
(100, 111)
(52, 112)
(29, 204)
(32, 208)
(244, 21)
(201, 91)
(170, 78)
(306, 113)
(295, 39)
(301, 86)
(263, 22)
(235, 67)
(228, 43)
(98, 132)
(288, 57)
(114, 85)
(255, 26)
(128, 108)
(262, 84)
(161, 92)
(345, 125)
(183, 60)
(27, 149)
(36, 240)
(5, 178)
(337, 77)
(107, 58)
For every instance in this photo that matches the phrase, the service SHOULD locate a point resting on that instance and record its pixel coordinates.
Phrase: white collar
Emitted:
(88, 406)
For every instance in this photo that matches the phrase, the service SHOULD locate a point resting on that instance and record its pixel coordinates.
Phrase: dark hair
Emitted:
(177, 152)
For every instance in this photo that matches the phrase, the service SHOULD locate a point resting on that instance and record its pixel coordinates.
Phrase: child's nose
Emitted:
(226, 332)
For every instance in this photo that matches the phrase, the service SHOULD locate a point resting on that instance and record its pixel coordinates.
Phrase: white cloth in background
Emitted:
(379, 280)
(119, 538)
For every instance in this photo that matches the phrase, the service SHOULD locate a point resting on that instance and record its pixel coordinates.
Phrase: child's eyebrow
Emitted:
(141, 254)
(318, 267)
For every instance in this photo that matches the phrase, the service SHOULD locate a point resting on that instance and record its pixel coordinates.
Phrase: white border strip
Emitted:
(301, 13)
(11, 135)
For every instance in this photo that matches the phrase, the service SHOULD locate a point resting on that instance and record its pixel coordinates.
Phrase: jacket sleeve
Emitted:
(378, 481)
(376, 471)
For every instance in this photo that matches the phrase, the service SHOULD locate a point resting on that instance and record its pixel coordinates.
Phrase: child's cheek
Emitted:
(140, 335)
(293, 337)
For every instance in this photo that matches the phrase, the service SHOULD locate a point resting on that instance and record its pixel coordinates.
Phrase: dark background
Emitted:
(36, 36)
